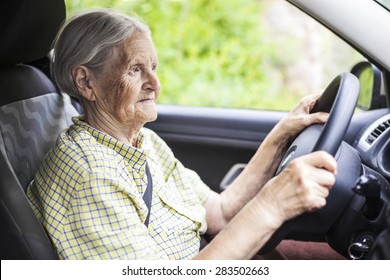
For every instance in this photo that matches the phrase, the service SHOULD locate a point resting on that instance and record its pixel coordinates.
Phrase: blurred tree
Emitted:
(219, 53)
(211, 53)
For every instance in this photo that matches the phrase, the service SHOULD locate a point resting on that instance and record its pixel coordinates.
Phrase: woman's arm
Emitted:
(301, 187)
(222, 208)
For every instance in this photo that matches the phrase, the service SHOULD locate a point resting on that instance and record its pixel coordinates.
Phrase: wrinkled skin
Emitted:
(121, 99)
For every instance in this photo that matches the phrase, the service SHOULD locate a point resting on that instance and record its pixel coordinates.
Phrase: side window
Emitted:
(240, 53)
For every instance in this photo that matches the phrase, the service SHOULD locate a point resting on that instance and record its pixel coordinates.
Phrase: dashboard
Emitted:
(374, 145)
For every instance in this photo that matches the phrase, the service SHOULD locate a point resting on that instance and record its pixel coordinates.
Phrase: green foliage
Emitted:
(211, 53)
(366, 79)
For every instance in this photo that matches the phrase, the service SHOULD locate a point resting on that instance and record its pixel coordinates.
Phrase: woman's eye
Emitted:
(135, 69)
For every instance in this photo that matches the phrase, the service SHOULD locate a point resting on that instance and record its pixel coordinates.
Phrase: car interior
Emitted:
(33, 112)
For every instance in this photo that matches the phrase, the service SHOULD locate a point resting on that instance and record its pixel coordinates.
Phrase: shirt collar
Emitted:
(136, 156)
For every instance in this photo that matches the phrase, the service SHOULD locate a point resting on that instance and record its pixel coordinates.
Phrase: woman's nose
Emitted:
(152, 83)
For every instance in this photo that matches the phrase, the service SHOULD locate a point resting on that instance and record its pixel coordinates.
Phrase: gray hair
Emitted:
(89, 39)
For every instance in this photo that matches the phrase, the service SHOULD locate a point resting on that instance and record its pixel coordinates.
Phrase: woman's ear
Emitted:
(83, 79)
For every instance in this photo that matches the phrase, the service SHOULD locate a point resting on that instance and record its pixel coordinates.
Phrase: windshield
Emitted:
(384, 3)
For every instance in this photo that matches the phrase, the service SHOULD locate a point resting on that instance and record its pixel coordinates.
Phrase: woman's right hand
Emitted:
(302, 186)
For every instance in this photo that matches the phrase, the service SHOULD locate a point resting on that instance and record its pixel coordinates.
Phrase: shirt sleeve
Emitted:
(198, 186)
(169, 164)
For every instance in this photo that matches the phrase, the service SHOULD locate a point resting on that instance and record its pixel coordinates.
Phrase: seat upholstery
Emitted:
(32, 113)
(29, 128)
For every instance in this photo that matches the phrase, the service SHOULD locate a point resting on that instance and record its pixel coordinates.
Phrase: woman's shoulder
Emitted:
(68, 148)
(75, 139)
(77, 146)
(153, 143)
(151, 138)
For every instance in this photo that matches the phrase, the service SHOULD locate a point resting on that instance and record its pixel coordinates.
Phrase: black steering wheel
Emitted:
(339, 99)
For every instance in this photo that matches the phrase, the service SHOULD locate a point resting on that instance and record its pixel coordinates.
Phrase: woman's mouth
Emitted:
(146, 100)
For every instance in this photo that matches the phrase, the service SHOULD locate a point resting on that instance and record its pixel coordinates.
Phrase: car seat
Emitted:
(32, 113)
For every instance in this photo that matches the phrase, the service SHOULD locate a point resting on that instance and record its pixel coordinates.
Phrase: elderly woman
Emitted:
(89, 191)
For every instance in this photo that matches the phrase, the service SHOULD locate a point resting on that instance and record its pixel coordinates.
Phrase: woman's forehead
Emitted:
(137, 47)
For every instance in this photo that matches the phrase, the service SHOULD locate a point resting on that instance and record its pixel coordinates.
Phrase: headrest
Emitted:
(28, 28)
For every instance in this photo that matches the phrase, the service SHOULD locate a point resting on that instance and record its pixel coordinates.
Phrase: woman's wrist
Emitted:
(245, 234)
(281, 135)
(269, 207)
(270, 153)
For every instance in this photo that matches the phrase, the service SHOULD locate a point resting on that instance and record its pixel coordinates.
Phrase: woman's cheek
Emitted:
(126, 96)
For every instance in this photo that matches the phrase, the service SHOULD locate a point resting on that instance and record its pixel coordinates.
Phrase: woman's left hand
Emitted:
(299, 118)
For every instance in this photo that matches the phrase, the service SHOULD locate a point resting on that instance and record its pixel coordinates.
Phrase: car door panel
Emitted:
(212, 140)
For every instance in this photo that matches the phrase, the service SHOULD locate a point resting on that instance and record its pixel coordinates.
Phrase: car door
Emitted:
(214, 141)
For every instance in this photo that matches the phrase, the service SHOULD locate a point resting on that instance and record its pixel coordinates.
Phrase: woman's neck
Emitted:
(124, 132)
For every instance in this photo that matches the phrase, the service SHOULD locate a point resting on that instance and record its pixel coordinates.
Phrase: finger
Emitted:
(311, 97)
(309, 101)
(311, 195)
(321, 159)
(313, 101)
(321, 192)
(321, 195)
(316, 195)
(319, 117)
(322, 178)
(319, 203)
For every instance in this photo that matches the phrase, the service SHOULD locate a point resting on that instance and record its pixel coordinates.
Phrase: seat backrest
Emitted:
(32, 113)
(30, 126)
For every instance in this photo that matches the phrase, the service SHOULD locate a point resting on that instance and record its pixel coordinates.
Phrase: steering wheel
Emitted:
(339, 99)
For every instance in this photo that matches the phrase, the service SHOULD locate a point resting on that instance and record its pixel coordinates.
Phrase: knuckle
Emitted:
(316, 204)
(322, 155)
(332, 180)
(295, 165)
(306, 120)
(320, 203)
(326, 193)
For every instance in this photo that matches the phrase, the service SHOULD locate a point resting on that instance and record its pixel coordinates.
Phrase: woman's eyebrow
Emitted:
(138, 61)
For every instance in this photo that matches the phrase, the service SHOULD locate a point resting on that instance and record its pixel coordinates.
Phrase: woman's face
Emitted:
(128, 86)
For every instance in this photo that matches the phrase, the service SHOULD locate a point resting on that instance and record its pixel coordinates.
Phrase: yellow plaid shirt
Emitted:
(88, 196)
